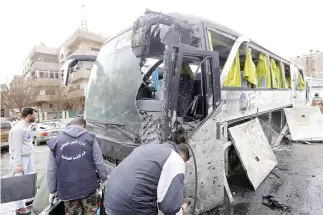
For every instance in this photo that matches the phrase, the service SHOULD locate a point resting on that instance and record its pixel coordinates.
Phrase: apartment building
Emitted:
(312, 63)
(42, 74)
(81, 42)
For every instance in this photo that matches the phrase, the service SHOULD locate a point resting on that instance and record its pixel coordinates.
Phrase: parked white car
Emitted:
(43, 131)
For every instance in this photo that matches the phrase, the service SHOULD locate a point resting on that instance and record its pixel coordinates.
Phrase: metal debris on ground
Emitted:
(275, 174)
(305, 123)
(254, 151)
(271, 202)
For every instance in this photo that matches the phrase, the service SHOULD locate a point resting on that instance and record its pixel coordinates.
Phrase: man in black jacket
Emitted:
(150, 178)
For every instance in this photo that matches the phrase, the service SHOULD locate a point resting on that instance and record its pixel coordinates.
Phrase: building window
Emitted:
(95, 49)
(46, 74)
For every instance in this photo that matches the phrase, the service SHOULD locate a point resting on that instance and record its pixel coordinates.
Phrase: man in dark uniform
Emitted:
(74, 159)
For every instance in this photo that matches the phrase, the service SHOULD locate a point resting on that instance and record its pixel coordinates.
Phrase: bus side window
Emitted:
(221, 44)
(277, 79)
(248, 72)
(263, 72)
(288, 81)
(239, 75)
(300, 85)
(282, 71)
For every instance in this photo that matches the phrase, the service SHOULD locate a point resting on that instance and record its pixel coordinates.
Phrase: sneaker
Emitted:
(29, 203)
(23, 211)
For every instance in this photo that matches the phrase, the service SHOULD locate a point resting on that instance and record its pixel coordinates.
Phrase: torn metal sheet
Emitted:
(254, 150)
(305, 123)
(208, 150)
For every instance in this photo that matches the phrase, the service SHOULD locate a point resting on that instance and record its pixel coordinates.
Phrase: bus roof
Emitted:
(198, 20)
(210, 23)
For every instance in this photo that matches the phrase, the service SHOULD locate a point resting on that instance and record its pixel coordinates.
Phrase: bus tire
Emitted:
(151, 130)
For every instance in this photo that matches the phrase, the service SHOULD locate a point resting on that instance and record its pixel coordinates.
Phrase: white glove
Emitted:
(51, 198)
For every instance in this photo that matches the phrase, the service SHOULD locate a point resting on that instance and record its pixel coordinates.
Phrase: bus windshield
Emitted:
(113, 84)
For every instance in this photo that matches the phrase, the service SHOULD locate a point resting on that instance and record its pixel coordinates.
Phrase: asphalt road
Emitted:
(296, 182)
(40, 159)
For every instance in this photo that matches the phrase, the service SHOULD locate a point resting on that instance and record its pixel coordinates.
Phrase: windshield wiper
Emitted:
(99, 124)
(105, 122)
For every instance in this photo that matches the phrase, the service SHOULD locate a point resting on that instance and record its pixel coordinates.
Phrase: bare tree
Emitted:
(76, 102)
(58, 99)
(18, 95)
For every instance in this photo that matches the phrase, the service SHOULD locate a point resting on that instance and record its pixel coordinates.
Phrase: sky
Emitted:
(288, 28)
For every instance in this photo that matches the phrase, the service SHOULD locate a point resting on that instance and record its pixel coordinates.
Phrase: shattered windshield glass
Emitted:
(113, 85)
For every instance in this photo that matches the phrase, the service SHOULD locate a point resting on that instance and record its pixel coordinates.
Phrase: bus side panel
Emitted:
(243, 103)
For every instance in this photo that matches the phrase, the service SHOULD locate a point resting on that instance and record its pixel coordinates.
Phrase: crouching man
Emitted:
(150, 178)
(74, 159)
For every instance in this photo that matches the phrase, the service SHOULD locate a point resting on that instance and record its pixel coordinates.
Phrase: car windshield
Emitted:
(5, 125)
(114, 81)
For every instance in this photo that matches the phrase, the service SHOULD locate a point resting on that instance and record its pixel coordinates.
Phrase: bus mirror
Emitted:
(71, 62)
(66, 71)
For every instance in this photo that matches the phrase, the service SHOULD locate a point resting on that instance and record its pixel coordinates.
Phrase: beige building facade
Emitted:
(42, 74)
(81, 42)
(312, 64)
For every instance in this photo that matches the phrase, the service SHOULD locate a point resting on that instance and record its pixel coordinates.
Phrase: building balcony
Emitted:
(45, 82)
(78, 36)
(42, 49)
(43, 98)
(41, 65)
(75, 93)
(81, 74)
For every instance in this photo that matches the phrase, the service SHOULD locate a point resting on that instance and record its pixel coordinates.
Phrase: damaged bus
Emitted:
(175, 70)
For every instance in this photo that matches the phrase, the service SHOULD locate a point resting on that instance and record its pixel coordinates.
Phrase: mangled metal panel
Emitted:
(207, 144)
(305, 123)
(254, 150)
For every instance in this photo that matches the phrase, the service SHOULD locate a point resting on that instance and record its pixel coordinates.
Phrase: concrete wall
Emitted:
(311, 63)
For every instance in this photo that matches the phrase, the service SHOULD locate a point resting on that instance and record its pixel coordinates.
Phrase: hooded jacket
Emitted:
(73, 160)
(150, 178)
